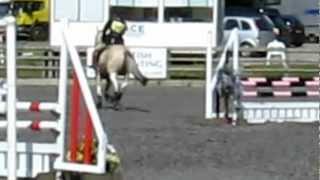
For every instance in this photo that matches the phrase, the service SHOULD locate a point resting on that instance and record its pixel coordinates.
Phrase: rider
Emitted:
(114, 30)
(112, 34)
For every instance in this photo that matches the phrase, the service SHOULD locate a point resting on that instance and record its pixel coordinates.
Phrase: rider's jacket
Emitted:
(113, 31)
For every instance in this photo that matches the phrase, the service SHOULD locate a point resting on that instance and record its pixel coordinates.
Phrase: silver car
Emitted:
(256, 31)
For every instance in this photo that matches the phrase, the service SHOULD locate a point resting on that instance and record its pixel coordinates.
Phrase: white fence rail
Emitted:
(20, 159)
(9, 22)
(262, 112)
(69, 49)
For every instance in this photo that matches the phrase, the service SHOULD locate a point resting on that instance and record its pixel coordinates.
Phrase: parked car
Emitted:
(274, 16)
(255, 31)
(284, 34)
(296, 29)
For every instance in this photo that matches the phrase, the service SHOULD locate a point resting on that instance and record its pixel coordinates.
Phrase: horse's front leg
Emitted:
(119, 94)
(99, 90)
(114, 81)
(117, 91)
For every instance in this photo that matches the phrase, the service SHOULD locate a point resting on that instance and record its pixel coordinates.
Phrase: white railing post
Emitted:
(208, 98)
(84, 86)
(161, 8)
(62, 96)
(235, 52)
(11, 98)
(99, 167)
(216, 5)
(212, 78)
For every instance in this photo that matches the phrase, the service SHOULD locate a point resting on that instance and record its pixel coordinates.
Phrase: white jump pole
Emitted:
(208, 100)
(22, 124)
(11, 98)
(101, 136)
(68, 50)
(236, 71)
(161, 11)
(62, 99)
(25, 106)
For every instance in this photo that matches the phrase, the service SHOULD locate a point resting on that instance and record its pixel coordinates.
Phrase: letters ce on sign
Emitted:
(135, 30)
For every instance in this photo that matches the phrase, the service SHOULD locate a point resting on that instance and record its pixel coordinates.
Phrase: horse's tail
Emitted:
(134, 69)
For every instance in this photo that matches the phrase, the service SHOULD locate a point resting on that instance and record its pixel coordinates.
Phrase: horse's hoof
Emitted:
(144, 82)
(118, 107)
(99, 105)
(107, 97)
(228, 120)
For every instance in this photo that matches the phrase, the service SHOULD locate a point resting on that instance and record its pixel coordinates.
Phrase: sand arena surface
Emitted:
(162, 135)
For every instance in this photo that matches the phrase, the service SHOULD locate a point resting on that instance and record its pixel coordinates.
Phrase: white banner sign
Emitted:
(151, 61)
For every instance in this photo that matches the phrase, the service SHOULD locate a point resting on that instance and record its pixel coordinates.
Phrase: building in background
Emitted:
(157, 23)
(153, 26)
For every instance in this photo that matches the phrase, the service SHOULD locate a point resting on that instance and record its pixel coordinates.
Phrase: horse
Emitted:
(112, 61)
(227, 87)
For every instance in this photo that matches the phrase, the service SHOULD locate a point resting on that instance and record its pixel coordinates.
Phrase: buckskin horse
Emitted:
(112, 61)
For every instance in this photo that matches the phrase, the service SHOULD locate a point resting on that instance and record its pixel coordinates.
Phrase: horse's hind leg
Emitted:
(134, 69)
(117, 91)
